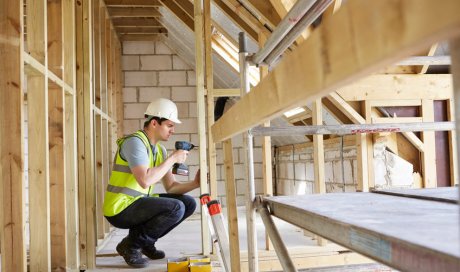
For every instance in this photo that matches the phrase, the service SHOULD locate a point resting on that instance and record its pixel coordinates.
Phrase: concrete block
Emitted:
(195, 139)
(258, 170)
(191, 78)
(135, 110)
(331, 154)
(329, 173)
(130, 63)
(147, 94)
(140, 79)
(219, 156)
(241, 187)
(179, 64)
(309, 171)
(192, 110)
(237, 140)
(129, 95)
(162, 49)
(156, 62)
(337, 169)
(138, 47)
(185, 94)
(300, 171)
(183, 110)
(257, 154)
(236, 156)
(189, 125)
(130, 126)
(172, 78)
(240, 172)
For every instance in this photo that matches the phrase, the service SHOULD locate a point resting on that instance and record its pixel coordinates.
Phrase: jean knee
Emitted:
(179, 209)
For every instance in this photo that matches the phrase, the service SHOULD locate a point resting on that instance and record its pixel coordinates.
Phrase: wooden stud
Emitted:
(96, 51)
(236, 19)
(454, 47)
(130, 3)
(452, 145)
(226, 92)
(141, 30)
(179, 13)
(429, 151)
(246, 16)
(37, 86)
(57, 134)
(141, 37)
(85, 136)
(125, 22)
(210, 98)
(99, 169)
(232, 213)
(287, 83)
(266, 11)
(199, 71)
(424, 68)
(12, 187)
(367, 109)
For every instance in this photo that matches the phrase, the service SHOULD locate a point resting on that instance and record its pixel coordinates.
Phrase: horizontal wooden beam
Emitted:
(133, 12)
(144, 3)
(122, 21)
(381, 87)
(141, 37)
(322, 64)
(141, 30)
(426, 60)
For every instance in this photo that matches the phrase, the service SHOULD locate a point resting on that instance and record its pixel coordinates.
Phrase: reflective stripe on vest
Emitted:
(123, 188)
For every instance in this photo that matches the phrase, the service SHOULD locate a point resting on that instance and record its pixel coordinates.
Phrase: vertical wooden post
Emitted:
(57, 134)
(210, 98)
(70, 143)
(37, 93)
(85, 135)
(429, 151)
(12, 187)
(367, 108)
(452, 145)
(266, 148)
(199, 70)
(230, 189)
(454, 47)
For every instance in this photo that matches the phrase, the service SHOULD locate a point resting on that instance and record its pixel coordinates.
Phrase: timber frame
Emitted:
(71, 124)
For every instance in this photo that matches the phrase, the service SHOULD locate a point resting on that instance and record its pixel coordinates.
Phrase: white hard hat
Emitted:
(163, 108)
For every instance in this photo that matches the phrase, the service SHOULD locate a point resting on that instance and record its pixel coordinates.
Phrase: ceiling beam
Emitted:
(143, 3)
(133, 12)
(141, 37)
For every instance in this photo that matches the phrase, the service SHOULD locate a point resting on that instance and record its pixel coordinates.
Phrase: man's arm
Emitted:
(173, 187)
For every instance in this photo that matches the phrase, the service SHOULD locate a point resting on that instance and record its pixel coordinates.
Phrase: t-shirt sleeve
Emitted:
(134, 151)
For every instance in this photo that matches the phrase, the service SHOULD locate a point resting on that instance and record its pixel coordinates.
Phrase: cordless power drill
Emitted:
(181, 168)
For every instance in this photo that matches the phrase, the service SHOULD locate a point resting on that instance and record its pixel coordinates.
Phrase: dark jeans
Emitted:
(150, 218)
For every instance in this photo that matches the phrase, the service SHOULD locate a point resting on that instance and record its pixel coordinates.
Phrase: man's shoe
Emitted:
(131, 255)
(153, 253)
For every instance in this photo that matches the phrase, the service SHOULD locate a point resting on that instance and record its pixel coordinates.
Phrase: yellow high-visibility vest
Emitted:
(123, 188)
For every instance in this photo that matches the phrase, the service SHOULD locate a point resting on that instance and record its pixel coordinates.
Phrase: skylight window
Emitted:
(294, 112)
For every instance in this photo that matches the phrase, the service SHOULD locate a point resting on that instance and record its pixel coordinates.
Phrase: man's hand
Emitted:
(179, 156)
(197, 179)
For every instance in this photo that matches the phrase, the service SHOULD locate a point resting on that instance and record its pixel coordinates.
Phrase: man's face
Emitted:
(165, 130)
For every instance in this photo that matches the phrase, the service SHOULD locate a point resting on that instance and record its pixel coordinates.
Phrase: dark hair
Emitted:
(156, 118)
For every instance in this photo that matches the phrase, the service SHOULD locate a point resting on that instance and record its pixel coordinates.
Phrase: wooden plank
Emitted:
(186, 6)
(332, 143)
(210, 98)
(452, 145)
(236, 19)
(424, 68)
(380, 87)
(454, 46)
(128, 3)
(288, 85)
(392, 230)
(141, 30)
(367, 109)
(266, 11)
(133, 12)
(348, 110)
(12, 187)
(246, 16)
(395, 102)
(141, 22)
(56, 109)
(443, 194)
(70, 143)
(232, 213)
(199, 72)
(429, 152)
(84, 89)
(179, 13)
(99, 169)
(37, 87)
(389, 120)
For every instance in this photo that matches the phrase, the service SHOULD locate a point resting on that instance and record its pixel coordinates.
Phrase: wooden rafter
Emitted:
(265, 10)
(141, 30)
(179, 13)
(237, 19)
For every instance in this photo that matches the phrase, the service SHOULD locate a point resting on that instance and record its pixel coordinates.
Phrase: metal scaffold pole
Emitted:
(247, 144)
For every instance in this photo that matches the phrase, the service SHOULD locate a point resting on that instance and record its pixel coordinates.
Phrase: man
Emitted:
(141, 161)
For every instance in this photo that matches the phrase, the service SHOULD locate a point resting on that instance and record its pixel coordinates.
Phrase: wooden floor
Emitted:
(405, 233)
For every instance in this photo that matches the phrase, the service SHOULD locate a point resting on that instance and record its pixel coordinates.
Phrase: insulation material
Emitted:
(391, 171)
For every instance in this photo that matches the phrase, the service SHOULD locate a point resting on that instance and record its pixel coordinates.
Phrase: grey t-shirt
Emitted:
(133, 150)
